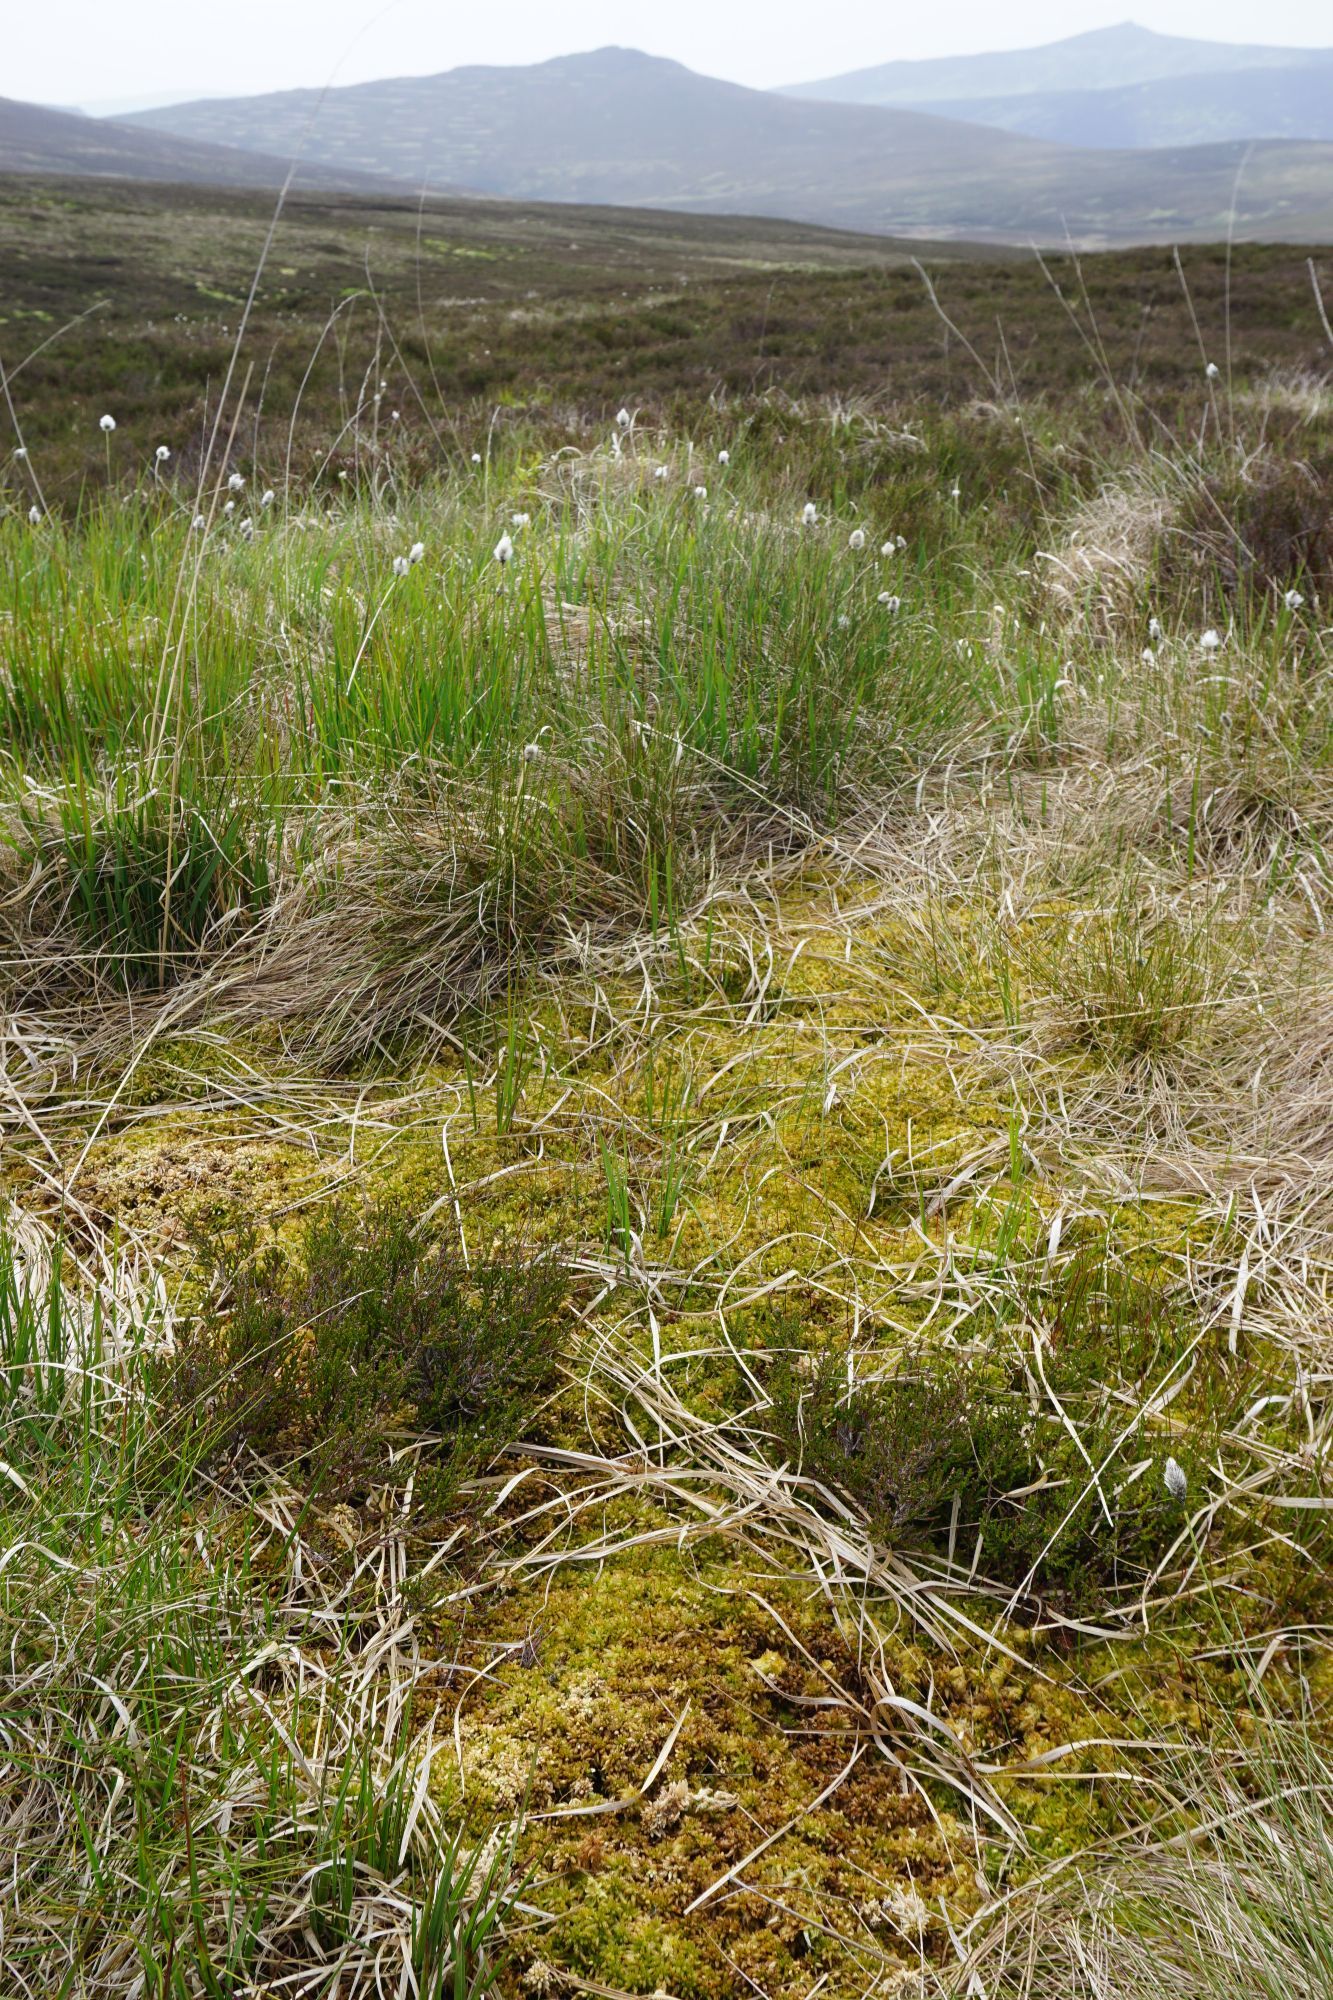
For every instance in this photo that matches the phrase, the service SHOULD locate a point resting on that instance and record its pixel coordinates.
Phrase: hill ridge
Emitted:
(618, 125)
(1096, 58)
(38, 139)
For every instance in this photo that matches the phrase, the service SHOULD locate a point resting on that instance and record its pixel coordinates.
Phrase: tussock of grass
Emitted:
(132, 890)
(1135, 983)
(217, 1794)
(1226, 1896)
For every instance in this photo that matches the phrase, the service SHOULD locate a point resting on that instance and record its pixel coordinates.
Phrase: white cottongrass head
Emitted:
(857, 539)
(401, 565)
(889, 601)
(107, 423)
(229, 507)
(504, 549)
(662, 472)
(20, 451)
(476, 458)
(1210, 640)
(199, 524)
(724, 458)
(1174, 1480)
(1212, 371)
(701, 492)
(1293, 600)
(267, 497)
(245, 526)
(34, 514)
(162, 454)
(416, 552)
(955, 491)
(236, 483)
(1155, 630)
(624, 419)
(520, 520)
(809, 514)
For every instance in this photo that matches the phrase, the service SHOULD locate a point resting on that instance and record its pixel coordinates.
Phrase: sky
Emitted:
(107, 52)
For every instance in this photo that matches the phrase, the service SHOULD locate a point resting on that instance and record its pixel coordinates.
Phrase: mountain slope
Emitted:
(1103, 59)
(618, 126)
(1180, 111)
(35, 140)
(611, 125)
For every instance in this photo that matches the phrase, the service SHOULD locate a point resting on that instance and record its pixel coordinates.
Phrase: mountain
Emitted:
(1104, 59)
(611, 125)
(1179, 111)
(619, 126)
(36, 140)
(1116, 88)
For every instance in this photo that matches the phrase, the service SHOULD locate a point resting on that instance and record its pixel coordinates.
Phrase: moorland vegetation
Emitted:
(667, 1042)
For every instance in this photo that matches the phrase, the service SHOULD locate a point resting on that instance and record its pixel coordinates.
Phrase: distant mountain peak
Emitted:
(617, 54)
(609, 59)
(1124, 54)
(615, 62)
(1125, 35)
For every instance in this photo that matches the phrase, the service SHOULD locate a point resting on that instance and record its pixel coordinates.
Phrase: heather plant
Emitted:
(953, 1458)
(364, 1334)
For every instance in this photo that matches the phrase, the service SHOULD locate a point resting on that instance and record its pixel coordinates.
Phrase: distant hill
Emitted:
(1104, 59)
(1179, 111)
(619, 126)
(613, 125)
(1117, 88)
(36, 140)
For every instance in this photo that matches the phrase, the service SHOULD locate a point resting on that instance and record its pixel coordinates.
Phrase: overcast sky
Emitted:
(93, 51)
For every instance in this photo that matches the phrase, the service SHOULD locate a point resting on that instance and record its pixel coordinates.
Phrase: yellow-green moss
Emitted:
(584, 1681)
(824, 1149)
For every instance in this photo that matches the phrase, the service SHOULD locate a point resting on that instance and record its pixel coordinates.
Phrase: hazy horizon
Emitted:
(155, 52)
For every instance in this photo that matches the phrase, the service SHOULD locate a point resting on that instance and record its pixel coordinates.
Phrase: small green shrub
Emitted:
(1250, 532)
(370, 1335)
(890, 1443)
(945, 1450)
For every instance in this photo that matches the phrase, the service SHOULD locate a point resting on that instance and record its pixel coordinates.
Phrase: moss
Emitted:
(824, 1156)
(594, 1671)
(155, 1179)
